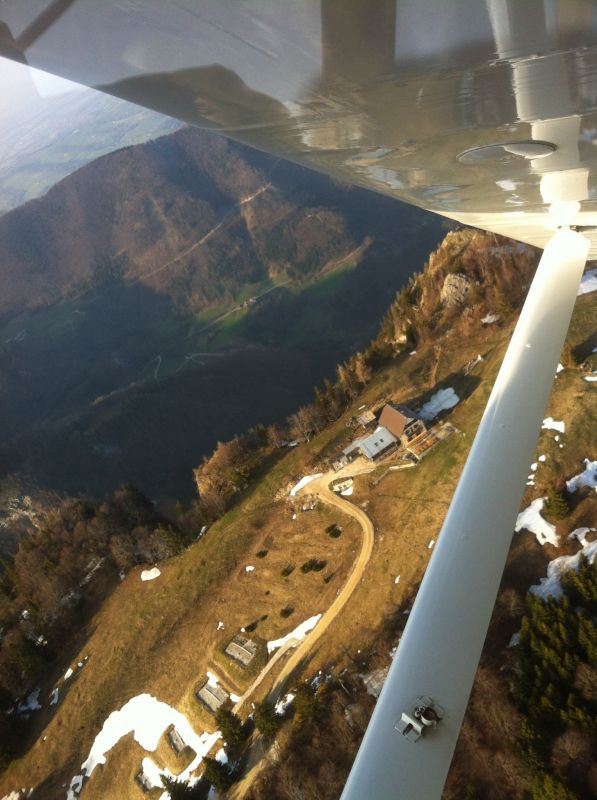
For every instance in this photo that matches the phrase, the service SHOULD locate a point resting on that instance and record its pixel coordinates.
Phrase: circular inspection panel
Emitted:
(507, 151)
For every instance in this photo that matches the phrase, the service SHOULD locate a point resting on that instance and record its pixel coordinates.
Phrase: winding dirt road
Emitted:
(320, 488)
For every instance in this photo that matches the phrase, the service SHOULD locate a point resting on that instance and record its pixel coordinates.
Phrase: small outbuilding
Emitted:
(143, 781)
(242, 650)
(175, 740)
(212, 696)
(366, 418)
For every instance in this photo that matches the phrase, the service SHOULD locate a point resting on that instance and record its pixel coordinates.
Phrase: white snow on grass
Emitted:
(296, 635)
(212, 679)
(31, 703)
(54, 697)
(551, 586)
(283, 704)
(534, 466)
(146, 718)
(154, 774)
(150, 574)
(542, 459)
(559, 369)
(591, 378)
(490, 319)
(551, 424)
(303, 482)
(249, 568)
(581, 535)
(68, 674)
(588, 282)
(347, 492)
(221, 756)
(588, 477)
(430, 545)
(397, 579)
(531, 520)
(440, 401)
(234, 697)
(514, 639)
(220, 626)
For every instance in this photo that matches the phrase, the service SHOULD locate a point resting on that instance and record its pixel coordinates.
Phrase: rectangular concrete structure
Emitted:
(242, 649)
(212, 696)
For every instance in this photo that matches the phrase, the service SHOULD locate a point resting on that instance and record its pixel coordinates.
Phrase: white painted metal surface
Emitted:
(441, 645)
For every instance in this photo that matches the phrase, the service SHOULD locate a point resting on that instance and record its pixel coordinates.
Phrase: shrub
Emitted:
(313, 565)
(262, 553)
(288, 570)
(286, 612)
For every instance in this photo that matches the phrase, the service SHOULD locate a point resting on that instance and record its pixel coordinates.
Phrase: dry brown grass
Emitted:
(161, 637)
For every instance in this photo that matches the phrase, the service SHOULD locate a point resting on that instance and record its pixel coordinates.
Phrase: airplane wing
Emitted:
(484, 111)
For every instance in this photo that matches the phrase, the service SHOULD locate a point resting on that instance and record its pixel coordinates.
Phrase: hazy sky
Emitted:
(20, 85)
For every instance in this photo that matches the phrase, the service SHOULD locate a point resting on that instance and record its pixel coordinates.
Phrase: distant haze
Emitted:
(49, 127)
(21, 86)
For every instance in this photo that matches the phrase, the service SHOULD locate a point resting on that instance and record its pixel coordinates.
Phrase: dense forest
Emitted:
(62, 570)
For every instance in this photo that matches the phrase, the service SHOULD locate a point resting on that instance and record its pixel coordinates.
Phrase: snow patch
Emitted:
(347, 492)
(220, 626)
(249, 568)
(588, 477)
(296, 635)
(234, 697)
(397, 579)
(54, 697)
(591, 378)
(588, 282)
(507, 184)
(283, 704)
(559, 369)
(431, 543)
(303, 482)
(551, 424)
(489, 319)
(440, 401)
(375, 680)
(581, 535)
(68, 674)
(550, 586)
(31, 703)
(221, 756)
(542, 459)
(532, 521)
(514, 639)
(212, 679)
(146, 718)
(150, 574)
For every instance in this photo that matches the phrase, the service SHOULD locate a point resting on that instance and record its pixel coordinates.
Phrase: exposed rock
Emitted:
(455, 289)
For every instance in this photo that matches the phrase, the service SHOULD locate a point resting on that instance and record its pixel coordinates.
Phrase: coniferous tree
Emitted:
(267, 721)
(232, 728)
(556, 506)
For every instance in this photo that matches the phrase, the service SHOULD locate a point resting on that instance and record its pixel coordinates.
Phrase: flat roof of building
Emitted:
(374, 444)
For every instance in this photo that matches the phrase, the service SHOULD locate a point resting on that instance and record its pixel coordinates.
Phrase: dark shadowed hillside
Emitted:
(171, 294)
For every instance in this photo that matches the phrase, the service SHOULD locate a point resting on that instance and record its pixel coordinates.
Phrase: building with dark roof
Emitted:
(404, 423)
